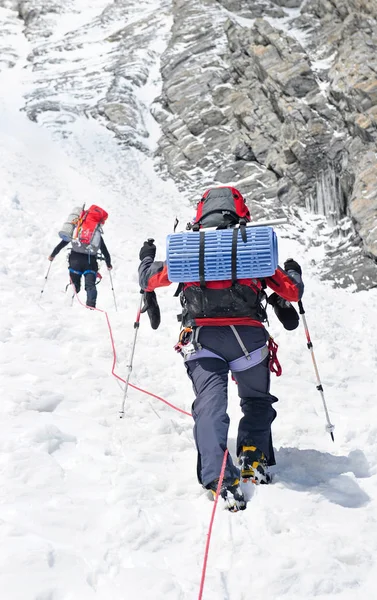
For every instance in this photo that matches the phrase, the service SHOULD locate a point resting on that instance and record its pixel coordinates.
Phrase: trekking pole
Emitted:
(45, 281)
(112, 287)
(129, 366)
(329, 427)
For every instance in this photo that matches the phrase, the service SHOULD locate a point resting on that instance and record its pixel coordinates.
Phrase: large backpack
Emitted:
(86, 236)
(221, 250)
(220, 246)
(221, 207)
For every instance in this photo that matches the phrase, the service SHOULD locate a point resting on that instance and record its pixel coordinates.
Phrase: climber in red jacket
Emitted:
(224, 321)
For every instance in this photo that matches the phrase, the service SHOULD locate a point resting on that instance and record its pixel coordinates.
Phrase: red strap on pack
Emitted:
(274, 365)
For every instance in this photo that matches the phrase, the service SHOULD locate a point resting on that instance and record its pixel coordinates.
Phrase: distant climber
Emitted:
(83, 229)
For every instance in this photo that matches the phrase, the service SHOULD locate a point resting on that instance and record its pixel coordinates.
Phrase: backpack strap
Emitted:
(243, 230)
(234, 255)
(201, 259)
(178, 290)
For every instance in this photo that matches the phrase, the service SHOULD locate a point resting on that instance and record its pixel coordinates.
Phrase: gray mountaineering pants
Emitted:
(208, 369)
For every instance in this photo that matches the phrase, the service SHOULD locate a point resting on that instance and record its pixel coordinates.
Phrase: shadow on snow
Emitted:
(321, 472)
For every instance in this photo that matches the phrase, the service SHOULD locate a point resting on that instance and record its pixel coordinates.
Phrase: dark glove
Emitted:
(292, 265)
(109, 267)
(152, 308)
(285, 312)
(148, 249)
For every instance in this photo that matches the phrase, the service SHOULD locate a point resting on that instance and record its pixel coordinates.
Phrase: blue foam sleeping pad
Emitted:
(256, 258)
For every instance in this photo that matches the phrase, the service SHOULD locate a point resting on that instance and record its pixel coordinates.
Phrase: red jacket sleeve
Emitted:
(288, 285)
(153, 275)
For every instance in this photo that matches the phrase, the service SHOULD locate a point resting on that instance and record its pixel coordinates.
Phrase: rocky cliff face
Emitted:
(277, 97)
(283, 103)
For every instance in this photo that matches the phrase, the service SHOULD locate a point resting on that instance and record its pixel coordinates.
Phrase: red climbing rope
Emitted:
(135, 387)
(211, 525)
(209, 534)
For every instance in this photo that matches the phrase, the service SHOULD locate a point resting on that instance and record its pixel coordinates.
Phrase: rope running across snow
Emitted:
(135, 387)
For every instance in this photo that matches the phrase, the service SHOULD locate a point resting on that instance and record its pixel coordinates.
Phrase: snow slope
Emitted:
(97, 507)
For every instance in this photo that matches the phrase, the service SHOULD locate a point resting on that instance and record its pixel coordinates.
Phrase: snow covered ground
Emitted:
(97, 507)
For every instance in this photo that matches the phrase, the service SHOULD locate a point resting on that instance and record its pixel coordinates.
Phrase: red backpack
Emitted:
(221, 207)
(89, 220)
(87, 235)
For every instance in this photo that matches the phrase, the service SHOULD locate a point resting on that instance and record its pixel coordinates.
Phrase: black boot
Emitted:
(230, 492)
(253, 465)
